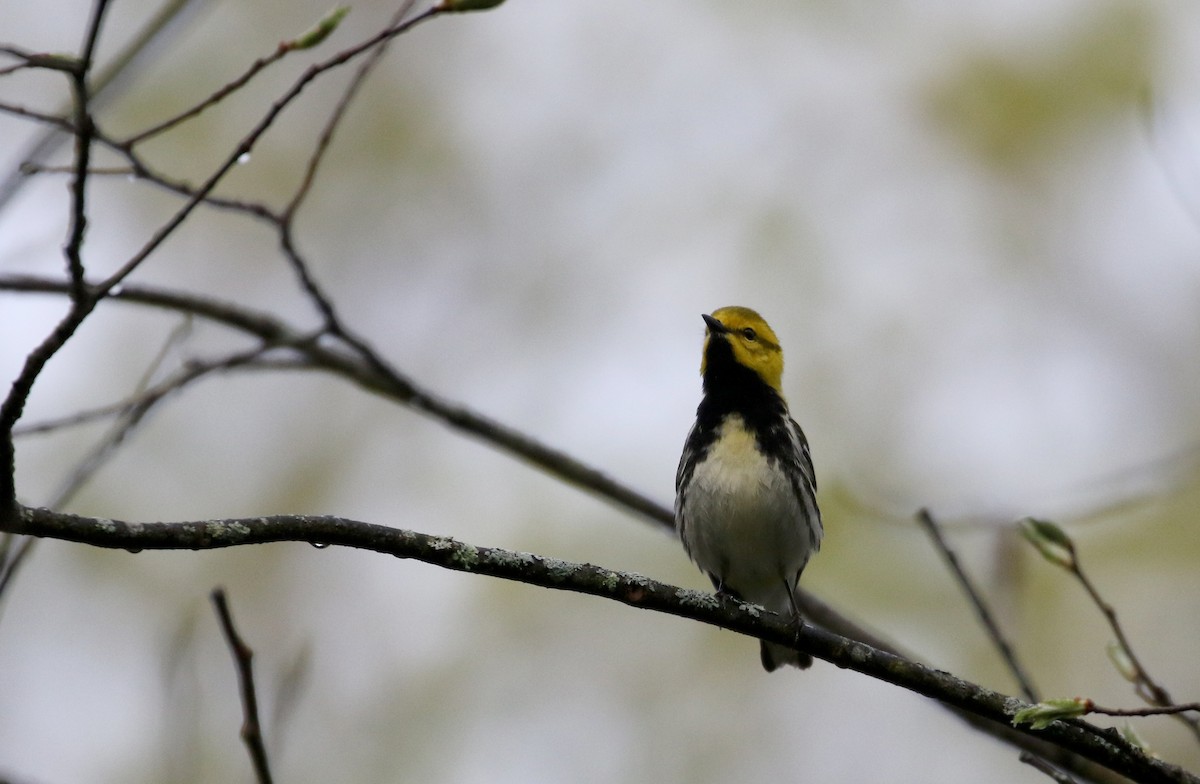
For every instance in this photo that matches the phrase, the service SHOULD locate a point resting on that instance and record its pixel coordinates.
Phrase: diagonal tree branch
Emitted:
(1104, 747)
(379, 380)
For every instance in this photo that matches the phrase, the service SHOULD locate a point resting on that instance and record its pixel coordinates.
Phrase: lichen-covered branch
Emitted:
(1103, 747)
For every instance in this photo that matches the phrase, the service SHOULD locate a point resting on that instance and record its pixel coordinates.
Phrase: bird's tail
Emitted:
(775, 656)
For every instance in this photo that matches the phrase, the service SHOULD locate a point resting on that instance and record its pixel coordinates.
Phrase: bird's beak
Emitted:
(714, 326)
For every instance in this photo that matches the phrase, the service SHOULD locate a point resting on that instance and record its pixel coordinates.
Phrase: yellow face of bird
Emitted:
(753, 342)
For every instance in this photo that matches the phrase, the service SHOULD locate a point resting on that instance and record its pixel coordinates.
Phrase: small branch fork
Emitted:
(85, 297)
(1058, 548)
(243, 658)
(1147, 687)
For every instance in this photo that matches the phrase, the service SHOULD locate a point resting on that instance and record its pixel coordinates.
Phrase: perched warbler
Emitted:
(745, 492)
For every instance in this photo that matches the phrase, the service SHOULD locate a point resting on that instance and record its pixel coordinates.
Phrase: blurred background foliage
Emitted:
(974, 227)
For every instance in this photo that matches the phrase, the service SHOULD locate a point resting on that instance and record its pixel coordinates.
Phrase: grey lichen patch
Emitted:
(611, 581)
(107, 526)
(700, 599)
(513, 560)
(466, 556)
(752, 609)
(443, 543)
(222, 530)
(558, 570)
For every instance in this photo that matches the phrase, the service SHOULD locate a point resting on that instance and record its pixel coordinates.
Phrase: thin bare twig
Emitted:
(243, 658)
(101, 88)
(335, 118)
(11, 558)
(246, 145)
(1059, 549)
(82, 302)
(1146, 686)
(84, 131)
(982, 611)
(224, 92)
(323, 303)
(1163, 710)
(136, 404)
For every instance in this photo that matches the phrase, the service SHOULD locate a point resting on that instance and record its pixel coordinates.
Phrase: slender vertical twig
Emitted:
(339, 111)
(1147, 688)
(1059, 549)
(287, 241)
(980, 605)
(82, 300)
(243, 658)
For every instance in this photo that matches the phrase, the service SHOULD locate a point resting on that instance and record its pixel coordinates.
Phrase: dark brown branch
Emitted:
(377, 377)
(1103, 747)
(982, 611)
(243, 658)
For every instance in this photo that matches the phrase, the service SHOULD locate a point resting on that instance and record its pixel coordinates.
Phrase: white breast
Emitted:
(744, 524)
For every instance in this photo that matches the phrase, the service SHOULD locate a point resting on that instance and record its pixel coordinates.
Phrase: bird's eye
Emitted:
(749, 333)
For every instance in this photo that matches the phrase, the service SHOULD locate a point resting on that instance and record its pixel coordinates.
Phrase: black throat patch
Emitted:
(732, 388)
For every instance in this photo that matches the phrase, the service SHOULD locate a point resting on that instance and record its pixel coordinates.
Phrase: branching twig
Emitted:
(335, 118)
(1148, 688)
(101, 87)
(137, 403)
(1102, 747)
(377, 377)
(82, 302)
(85, 298)
(286, 224)
(980, 605)
(130, 418)
(1057, 547)
(246, 145)
(243, 658)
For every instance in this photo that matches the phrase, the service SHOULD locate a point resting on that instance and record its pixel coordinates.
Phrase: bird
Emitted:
(745, 490)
